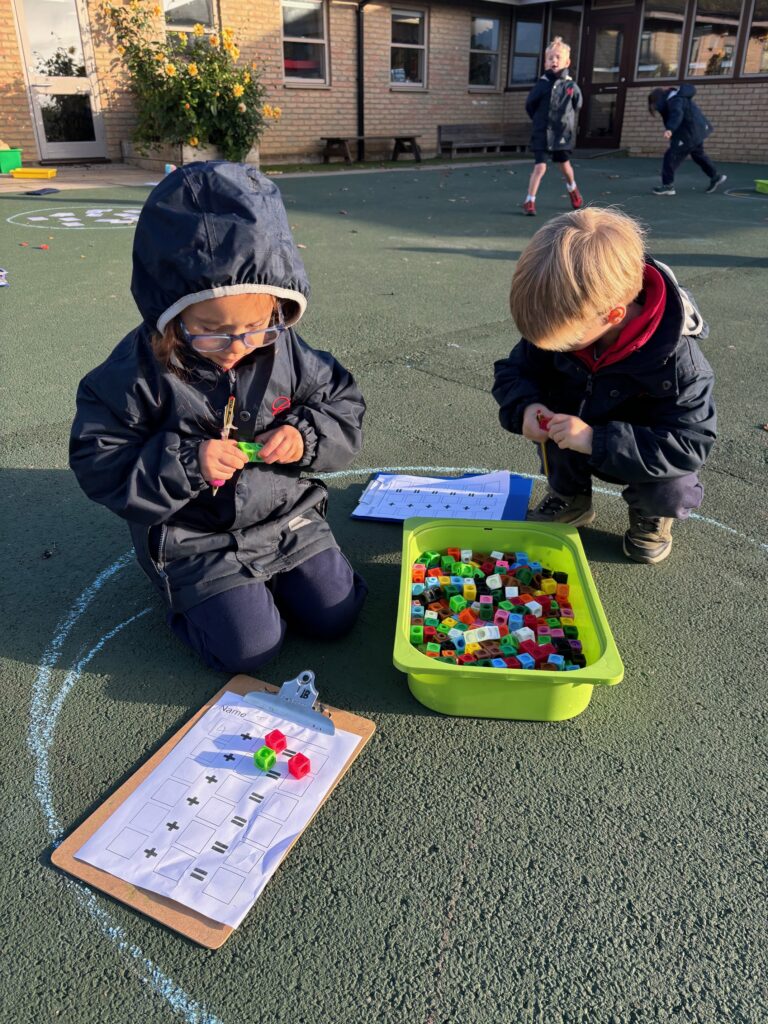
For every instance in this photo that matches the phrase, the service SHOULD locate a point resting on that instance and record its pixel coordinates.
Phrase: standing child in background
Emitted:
(609, 357)
(553, 104)
(220, 286)
(686, 127)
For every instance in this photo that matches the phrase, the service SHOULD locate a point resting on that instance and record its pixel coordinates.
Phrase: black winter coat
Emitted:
(135, 439)
(553, 105)
(684, 118)
(652, 414)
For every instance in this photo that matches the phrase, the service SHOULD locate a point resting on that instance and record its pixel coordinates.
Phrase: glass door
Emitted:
(60, 74)
(605, 70)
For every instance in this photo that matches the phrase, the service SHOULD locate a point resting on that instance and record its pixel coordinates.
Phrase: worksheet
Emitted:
(207, 827)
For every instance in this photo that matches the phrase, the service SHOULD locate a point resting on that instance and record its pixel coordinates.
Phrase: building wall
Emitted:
(311, 111)
(15, 116)
(738, 111)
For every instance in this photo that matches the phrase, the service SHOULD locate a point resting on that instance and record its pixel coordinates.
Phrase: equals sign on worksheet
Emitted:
(198, 874)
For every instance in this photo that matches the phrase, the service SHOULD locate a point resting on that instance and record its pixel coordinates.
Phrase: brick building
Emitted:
(425, 63)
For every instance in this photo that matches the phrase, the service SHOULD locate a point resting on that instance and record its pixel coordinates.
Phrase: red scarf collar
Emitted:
(635, 333)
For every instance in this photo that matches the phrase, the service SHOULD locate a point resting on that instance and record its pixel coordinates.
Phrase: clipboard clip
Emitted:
(295, 700)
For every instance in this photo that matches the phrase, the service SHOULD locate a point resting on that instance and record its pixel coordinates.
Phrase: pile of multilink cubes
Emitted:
(496, 610)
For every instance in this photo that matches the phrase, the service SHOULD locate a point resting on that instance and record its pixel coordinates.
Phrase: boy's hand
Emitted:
(285, 444)
(667, 135)
(531, 429)
(220, 460)
(571, 432)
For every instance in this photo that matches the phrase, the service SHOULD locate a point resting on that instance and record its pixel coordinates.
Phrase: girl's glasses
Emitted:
(251, 339)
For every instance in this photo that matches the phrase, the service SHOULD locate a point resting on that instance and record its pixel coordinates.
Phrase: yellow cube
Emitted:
(548, 586)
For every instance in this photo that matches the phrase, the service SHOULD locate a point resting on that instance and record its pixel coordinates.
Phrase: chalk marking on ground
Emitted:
(41, 730)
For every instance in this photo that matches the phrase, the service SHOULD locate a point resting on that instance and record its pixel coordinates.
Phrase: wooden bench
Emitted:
(338, 145)
(494, 137)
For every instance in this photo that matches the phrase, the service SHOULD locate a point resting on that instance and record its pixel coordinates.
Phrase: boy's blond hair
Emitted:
(558, 43)
(576, 267)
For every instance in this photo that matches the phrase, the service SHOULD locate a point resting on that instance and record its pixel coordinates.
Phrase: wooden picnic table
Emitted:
(338, 145)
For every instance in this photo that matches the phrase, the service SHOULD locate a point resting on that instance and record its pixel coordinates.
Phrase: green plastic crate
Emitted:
(526, 694)
(761, 185)
(10, 159)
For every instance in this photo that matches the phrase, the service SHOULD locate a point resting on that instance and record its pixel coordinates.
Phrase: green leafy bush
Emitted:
(187, 86)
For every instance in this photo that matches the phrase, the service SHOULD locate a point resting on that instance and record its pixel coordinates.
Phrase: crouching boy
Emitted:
(608, 376)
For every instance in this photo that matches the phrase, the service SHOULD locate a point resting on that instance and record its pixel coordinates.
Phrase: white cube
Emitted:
(494, 582)
(536, 608)
(524, 634)
(510, 592)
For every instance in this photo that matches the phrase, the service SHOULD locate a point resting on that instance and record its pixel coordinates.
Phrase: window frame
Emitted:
(187, 26)
(738, 48)
(549, 34)
(422, 12)
(516, 11)
(750, 76)
(497, 53)
(685, 25)
(307, 83)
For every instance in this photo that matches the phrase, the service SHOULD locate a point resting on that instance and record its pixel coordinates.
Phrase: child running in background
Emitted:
(553, 105)
(608, 376)
(220, 287)
(686, 127)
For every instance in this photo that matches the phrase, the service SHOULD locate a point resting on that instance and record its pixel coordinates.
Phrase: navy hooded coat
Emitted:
(208, 230)
(684, 118)
(653, 414)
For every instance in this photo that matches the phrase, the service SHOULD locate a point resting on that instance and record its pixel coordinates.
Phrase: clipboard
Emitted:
(190, 923)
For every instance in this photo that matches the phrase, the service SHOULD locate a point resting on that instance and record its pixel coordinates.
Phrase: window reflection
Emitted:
(53, 31)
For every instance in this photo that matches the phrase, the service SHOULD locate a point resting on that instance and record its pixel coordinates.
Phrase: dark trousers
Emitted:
(676, 497)
(675, 155)
(243, 628)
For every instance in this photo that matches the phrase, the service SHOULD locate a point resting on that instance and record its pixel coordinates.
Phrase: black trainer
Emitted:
(665, 190)
(716, 182)
(648, 539)
(556, 508)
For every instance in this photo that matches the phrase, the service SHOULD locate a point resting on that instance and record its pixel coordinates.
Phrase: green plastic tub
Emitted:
(485, 692)
(10, 159)
(761, 185)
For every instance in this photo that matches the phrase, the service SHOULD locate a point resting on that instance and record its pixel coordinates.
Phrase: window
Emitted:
(661, 39)
(756, 50)
(565, 21)
(484, 53)
(525, 58)
(714, 38)
(305, 47)
(181, 13)
(408, 55)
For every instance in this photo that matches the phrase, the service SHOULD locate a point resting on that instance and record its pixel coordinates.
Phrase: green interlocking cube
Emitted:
(251, 449)
(264, 758)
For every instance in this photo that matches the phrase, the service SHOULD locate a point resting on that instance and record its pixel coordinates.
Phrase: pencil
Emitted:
(543, 446)
(229, 416)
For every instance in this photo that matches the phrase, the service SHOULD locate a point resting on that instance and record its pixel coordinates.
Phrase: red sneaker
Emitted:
(576, 201)
(529, 208)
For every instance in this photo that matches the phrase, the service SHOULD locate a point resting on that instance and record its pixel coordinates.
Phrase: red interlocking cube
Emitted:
(299, 766)
(276, 741)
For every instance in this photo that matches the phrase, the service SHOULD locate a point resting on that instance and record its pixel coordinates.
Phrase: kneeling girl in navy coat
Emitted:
(220, 286)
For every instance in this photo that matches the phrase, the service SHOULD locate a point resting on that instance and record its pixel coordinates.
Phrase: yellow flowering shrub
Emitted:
(187, 87)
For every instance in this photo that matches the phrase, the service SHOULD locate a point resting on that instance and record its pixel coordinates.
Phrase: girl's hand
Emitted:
(283, 445)
(531, 428)
(571, 432)
(220, 460)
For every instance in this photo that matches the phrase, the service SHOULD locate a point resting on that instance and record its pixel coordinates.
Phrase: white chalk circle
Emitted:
(46, 706)
(77, 218)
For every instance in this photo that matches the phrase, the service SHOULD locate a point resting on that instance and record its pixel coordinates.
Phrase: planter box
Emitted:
(155, 159)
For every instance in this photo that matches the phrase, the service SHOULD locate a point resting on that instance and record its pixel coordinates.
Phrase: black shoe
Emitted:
(555, 508)
(716, 182)
(665, 190)
(648, 539)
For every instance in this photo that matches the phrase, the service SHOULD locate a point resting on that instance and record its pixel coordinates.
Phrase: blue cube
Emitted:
(557, 660)
(526, 661)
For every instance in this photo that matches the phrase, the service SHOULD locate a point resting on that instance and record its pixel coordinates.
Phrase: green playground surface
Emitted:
(608, 869)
